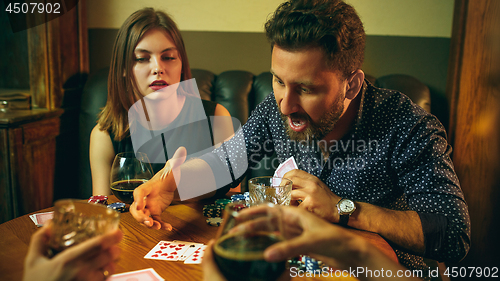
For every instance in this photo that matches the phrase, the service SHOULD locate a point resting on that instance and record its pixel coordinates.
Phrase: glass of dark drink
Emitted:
(129, 170)
(242, 239)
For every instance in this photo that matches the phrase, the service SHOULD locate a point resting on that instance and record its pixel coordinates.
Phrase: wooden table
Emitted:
(188, 223)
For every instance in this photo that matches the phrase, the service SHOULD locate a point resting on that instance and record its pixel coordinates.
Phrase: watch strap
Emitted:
(344, 219)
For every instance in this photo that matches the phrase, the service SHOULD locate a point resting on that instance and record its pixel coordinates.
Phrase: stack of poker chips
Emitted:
(214, 221)
(311, 264)
(241, 197)
(99, 199)
(297, 263)
(118, 206)
(213, 210)
(103, 199)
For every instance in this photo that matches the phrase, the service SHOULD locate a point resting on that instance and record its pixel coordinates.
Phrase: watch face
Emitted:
(347, 206)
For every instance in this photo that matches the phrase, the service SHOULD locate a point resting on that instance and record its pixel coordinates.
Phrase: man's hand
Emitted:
(316, 197)
(90, 260)
(306, 234)
(154, 196)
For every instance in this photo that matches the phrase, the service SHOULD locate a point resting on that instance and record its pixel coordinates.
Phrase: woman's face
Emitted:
(157, 63)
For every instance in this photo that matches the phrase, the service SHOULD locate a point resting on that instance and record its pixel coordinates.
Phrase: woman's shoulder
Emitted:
(97, 132)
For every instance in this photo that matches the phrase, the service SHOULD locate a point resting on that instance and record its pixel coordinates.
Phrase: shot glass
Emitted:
(275, 190)
(76, 221)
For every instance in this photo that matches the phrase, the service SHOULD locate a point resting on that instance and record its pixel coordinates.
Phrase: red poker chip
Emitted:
(98, 199)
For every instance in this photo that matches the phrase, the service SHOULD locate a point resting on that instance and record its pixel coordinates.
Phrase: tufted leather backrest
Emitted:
(239, 91)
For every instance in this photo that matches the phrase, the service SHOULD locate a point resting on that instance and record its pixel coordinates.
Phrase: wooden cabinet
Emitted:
(27, 160)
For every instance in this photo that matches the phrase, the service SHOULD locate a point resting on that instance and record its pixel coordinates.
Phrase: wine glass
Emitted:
(129, 170)
(246, 232)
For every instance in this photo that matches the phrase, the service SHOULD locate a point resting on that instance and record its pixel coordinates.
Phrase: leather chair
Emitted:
(237, 90)
(417, 91)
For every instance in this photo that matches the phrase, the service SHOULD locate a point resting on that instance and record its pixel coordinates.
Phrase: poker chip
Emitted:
(239, 206)
(214, 221)
(212, 214)
(237, 197)
(222, 202)
(98, 199)
(213, 210)
(311, 264)
(118, 206)
(295, 263)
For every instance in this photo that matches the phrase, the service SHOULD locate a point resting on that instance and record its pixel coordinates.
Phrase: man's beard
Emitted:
(316, 131)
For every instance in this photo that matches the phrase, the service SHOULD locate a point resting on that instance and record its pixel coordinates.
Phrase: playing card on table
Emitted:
(148, 274)
(197, 256)
(285, 167)
(192, 247)
(41, 218)
(167, 250)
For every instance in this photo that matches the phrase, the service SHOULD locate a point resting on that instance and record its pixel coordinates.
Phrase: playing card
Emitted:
(192, 247)
(148, 274)
(285, 167)
(41, 218)
(197, 256)
(167, 250)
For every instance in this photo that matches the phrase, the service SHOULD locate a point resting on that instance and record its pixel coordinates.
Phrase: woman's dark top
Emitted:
(191, 129)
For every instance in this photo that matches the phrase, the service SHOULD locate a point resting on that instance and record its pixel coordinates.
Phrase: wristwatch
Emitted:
(346, 207)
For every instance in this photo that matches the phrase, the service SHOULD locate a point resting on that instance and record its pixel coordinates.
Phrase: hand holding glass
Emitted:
(242, 240)
(77, 221)
(129, 170)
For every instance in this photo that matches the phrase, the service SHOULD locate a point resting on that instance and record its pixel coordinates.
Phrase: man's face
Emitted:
(310, 97)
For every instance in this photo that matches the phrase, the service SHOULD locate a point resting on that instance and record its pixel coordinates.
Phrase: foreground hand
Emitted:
(307, 234)
(154, 196)
(91, 260)
(315, 195)
(211, 271)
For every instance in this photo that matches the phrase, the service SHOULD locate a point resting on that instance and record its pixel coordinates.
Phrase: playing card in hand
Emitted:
(148, 274)
(167, 250)
(284, 168)
(197, 256)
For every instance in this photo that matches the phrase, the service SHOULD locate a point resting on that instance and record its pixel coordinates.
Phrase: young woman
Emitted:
(148, 57)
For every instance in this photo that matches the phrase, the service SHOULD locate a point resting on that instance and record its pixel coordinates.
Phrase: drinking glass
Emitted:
(275, 190)
(244, 235)
(76, 221)
(129, 170)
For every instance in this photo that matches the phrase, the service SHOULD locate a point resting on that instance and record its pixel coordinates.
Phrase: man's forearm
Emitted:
(400, 227)
(196, 182)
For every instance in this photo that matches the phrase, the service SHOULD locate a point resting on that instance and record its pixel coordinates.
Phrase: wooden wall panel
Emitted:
(473, 131)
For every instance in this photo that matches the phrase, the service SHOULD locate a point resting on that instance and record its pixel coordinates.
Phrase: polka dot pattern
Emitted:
(396, 156)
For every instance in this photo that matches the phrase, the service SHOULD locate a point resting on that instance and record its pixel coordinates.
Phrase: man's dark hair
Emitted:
(331, 25)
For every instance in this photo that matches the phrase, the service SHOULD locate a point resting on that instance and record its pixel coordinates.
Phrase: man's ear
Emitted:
(354, 84)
